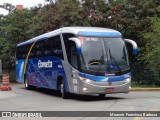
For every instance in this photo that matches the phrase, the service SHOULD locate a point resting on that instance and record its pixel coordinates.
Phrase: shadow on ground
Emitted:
(74, 96)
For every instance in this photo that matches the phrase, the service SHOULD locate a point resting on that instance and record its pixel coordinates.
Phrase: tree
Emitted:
(152, 51)
(62, 13)
(14, 28)
(7, 6)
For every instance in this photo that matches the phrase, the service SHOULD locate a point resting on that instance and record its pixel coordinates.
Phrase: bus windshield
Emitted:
(105, 55)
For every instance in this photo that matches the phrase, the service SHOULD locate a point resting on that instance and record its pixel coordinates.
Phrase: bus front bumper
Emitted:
(104, 87)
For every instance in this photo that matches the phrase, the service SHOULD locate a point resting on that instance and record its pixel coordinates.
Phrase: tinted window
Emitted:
(71, 50)
(22, 51)
(48, 47)
(38, 49)
(53, 47)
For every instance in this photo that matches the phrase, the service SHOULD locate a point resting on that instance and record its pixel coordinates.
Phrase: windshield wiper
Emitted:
(113, 58)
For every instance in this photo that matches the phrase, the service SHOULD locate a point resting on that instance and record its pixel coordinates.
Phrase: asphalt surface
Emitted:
(20, 99)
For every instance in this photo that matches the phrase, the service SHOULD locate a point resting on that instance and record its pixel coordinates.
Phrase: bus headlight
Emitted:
(127, 80)
(85, 80)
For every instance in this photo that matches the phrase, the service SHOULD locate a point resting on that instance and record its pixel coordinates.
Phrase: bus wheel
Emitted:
(27, 86)
(63, 91)
(102, 95)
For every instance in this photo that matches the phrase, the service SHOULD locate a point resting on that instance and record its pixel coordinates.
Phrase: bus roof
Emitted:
(79, 31)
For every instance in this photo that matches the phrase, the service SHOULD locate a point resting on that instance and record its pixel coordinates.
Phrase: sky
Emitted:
(25, 3)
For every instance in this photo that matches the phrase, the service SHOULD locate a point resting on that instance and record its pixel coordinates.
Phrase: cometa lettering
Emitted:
(47, 64)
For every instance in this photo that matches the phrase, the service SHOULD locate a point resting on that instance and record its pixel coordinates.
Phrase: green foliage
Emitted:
(152, 48)
(14, 28)
(7, 6)
(60, 14)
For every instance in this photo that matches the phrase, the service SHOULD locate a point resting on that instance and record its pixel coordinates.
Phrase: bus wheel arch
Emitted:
(59, 82)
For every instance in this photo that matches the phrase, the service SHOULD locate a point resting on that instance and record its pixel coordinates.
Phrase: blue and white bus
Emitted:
(80, 60)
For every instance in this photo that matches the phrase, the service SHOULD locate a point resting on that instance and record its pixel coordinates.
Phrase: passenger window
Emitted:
(74, 59)
(53, 47)
(48, 47)
(71, 50)
(22, 51)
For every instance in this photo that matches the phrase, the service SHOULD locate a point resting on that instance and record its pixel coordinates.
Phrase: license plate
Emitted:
(109, 89)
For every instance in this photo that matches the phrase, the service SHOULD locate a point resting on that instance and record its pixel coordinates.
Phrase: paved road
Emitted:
(20, 99)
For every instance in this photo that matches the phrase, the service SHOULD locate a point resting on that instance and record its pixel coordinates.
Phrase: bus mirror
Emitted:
(78, 44)
(134, 44)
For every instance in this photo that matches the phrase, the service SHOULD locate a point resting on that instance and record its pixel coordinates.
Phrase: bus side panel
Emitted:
(20, 70)
(43, 72)
(67, 76)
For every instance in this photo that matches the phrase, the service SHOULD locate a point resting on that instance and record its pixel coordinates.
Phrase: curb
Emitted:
(145, 89)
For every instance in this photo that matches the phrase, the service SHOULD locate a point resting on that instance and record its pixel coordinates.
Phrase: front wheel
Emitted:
(63, 90)
(27, 86)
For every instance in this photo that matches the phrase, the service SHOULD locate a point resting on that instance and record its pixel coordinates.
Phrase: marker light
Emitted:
(85, 80)
(81, 78)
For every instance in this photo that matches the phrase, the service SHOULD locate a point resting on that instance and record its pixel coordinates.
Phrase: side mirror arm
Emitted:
(78, 44)
(134, 44)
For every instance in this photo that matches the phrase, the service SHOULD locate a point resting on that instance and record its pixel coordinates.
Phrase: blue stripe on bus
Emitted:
(135, 51)
(99, 34)
(19, 70)
(107, 78)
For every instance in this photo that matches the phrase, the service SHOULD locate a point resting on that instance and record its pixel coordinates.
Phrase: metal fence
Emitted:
(143, 76)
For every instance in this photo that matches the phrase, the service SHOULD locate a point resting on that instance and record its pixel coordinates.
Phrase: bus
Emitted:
(78, 60)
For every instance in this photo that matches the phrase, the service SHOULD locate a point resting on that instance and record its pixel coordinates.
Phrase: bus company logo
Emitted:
(47, 64)
(111, 74)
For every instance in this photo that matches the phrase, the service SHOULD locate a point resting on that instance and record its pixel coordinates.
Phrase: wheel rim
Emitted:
(62, 89)
(26, 83)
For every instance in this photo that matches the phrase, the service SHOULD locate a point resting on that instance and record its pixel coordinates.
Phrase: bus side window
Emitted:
(37, 50)
(55, 47)
(47, 47)
(19, 52)
(22, 51)
(70, 50)
(74, 57)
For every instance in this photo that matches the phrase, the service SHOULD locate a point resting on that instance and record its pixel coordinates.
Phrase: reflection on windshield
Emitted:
(104, 54)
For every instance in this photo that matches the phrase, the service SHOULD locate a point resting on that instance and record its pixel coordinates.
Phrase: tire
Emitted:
(64, 94)
(102, 95)
(27, 86)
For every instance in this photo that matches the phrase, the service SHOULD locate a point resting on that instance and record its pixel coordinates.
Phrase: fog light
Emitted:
(129, 87)
(84, 89)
